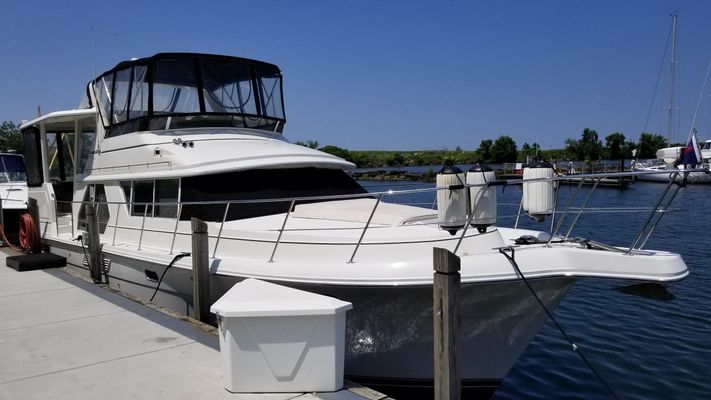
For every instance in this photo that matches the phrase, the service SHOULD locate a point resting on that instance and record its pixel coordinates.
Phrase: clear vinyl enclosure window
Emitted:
(181, 90)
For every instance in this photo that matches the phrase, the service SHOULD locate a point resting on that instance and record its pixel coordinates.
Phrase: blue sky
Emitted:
(392, 75)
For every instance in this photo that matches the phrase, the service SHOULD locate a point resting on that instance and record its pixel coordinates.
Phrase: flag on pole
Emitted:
(692, 152)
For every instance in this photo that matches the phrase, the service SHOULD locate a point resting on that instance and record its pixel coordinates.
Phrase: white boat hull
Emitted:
(389, 331)
(693, 177)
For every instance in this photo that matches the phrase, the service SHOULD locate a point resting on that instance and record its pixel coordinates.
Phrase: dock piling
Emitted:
(92, 228)
(201, 273)
(445, 310)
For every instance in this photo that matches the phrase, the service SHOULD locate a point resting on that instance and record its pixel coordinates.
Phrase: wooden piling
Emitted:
(201, 272)
(92, 228)
(446, 286)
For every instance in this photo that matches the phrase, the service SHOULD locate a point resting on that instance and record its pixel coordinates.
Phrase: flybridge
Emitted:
(186, 90)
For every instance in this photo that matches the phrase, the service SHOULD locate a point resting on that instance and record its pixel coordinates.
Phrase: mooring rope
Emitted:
(574, 346)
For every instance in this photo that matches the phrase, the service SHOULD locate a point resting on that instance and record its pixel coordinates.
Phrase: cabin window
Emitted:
(97, 195)
(85, 151)
(166, 191)
(259, 184)
(60, 161)
(155, 192)
(13, 168)
(142, 193)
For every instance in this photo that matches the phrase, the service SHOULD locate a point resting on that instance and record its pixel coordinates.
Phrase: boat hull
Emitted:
(389, 331)
(693, 177)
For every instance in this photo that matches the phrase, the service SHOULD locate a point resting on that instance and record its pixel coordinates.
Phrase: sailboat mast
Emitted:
(671, 86)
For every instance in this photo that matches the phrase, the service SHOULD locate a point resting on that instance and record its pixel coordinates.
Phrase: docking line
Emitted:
(504, 250)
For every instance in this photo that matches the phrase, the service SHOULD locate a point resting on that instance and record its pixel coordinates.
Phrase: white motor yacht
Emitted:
(163, 139)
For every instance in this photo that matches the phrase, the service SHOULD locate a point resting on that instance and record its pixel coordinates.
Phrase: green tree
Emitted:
(648, 145)
(10, 137)
(484, 150)
(616, 148)
(504, 150)
(588, 147)
(529, 150)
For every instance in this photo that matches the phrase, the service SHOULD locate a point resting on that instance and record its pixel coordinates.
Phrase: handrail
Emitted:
(651, 215)
(571, 198)
(379, 196)
(582, 207)
(222, 225)
(367, 224)
(281, 230)
(175, 230)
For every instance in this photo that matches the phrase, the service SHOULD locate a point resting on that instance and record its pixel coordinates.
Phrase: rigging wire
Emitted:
(701, 95)
(574, 346)
(656, 85)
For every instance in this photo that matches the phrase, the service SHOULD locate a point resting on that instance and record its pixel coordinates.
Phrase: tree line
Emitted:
(589, 147)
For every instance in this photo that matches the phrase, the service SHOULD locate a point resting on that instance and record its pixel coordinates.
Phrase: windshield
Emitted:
(170, 91)
(12, 168)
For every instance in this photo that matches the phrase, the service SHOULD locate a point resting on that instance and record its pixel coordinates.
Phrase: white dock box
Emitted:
(278, 339)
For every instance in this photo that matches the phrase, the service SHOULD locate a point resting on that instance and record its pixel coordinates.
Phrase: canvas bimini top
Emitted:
(185, 90)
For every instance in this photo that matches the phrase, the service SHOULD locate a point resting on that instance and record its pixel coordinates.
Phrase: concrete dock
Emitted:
(62, 337)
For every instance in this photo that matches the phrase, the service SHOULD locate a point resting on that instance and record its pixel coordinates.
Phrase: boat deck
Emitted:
(62, 337)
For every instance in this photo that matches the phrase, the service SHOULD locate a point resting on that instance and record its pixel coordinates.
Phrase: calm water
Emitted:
(647, 342)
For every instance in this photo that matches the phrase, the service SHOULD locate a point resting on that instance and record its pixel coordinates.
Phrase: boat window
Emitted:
(270, 95)
(103, 95)
(707, 146)
(185, 91)
(228, 87)
(13, 168)
(166, 192)
(85, 151)
(120, 95)
(156, 192)
(60, 162)
(259, 184)
(139, 93)
(142, 193)
(175, 87)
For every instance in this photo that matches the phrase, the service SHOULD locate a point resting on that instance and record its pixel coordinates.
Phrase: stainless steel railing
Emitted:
(661, 207)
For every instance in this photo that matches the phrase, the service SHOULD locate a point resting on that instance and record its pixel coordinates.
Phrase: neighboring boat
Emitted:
(667, 166)
(177, 135)
(13, 191)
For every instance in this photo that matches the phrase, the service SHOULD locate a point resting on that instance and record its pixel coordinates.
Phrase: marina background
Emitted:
(647, 341)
